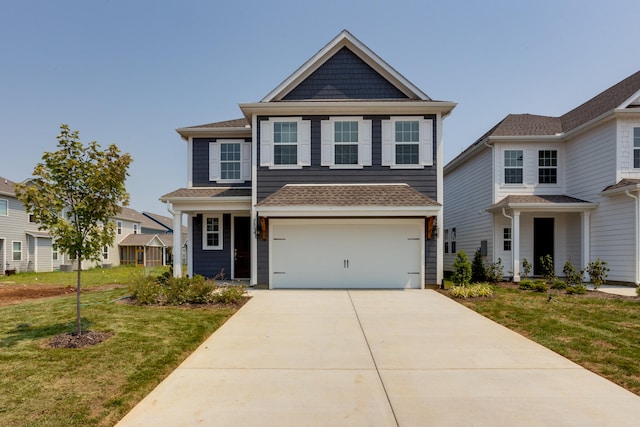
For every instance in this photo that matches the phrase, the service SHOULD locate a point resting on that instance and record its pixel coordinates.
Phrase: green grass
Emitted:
(600, 334)
(93, 386)
(89, 278)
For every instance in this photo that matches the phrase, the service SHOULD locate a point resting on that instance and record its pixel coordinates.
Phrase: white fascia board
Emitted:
(307, 108)
(230, 132)
(547, 207)
(377, 211)
(343, 39)
(208, 204)
(621, 190)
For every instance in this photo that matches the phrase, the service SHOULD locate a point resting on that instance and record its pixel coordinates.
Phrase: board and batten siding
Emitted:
(468, 192)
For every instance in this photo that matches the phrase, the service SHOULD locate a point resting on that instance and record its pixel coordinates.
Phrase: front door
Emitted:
(542, 242)
(241, 247)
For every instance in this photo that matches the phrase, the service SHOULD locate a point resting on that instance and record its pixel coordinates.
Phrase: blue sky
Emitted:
(130, 72)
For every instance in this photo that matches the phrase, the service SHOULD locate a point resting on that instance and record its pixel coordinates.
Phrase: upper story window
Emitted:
(212, 232)
(135, 228)
(513, 161)
(285, 142)
(547, 167)
(32, 219)
(407, 142)
(119, 226)
(4, 207)
(346, 142)
(446, 240)
(229, 160)
(636, 148)
(453, 240)
(105, 253)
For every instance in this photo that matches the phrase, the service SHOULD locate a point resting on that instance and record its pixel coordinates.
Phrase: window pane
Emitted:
(407, 154)
(346, 132)
(229, 152)
(513, 176)
(548, 158)
(407, 131)
(513, 158)
(3, 207)
(285, 154)
(636, 158)
(636, 137)
(507, 233)
(346, 154)
(212, 224)
(547, 176)
(285, 132)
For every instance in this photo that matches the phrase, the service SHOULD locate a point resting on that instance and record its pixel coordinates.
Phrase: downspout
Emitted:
(637, 234)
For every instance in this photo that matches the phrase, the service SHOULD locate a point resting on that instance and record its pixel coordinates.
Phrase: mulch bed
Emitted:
(71, 340)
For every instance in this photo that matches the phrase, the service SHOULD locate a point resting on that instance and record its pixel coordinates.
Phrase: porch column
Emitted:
(586, 243)
(177, 243)
(516, 245)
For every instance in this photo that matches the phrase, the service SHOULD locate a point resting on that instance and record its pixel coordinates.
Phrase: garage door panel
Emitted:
(355, 254)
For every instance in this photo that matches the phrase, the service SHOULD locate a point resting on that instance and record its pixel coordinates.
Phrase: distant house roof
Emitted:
(235, 123)
(7, 187)
(144, 240)
(130, 215)
(390, 195)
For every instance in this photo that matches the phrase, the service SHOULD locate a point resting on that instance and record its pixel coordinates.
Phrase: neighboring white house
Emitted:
(566, 186)
(22, 246)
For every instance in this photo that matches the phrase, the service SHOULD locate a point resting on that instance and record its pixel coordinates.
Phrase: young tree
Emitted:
(73, 193)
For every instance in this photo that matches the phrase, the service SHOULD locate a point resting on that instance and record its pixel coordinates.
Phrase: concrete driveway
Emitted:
(376, 358)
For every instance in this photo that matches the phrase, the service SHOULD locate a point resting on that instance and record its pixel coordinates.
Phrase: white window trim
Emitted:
(135, 228)
(220, 233)
(55, 254)
(6, 202)
(107, 252)
(425, 142)
(14, 252)
(327, 130)
(633, 147)
(215, 168)
(119, 227)
(267, 146)
(504, 168)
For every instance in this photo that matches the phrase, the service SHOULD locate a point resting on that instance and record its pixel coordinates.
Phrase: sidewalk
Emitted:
(376, 358)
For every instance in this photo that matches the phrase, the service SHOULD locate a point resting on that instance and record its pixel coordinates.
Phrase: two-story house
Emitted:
(563, 186)
(332, 180)
(22, 246)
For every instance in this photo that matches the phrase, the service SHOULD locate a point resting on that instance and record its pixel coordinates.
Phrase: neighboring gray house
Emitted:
(332, 180)
(565, 186)
(22, 246)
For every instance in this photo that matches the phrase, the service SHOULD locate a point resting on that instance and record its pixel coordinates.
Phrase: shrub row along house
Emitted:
(142, 239)
(566, 186)
(333, 179)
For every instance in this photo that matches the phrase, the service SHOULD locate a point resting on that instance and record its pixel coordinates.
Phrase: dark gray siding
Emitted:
(210, 262)
(344, 76)
(430, 261)
(200, 166)
(263, 262)
(423, 180)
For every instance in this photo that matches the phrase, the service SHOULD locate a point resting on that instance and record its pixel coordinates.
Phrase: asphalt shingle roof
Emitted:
(348, 195)
(537, 199)
(208, 192)
(7, 186)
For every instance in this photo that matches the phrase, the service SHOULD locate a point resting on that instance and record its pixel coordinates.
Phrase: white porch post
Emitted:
(585, 255)
(516, 246)
(177, 244)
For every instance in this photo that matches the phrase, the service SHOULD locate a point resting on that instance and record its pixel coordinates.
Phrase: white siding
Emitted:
(468, 193)
(625, 148)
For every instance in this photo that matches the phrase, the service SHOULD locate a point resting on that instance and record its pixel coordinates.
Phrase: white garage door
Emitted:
(356, 253)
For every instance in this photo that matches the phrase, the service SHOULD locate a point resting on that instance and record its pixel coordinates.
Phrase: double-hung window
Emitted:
(54, 252)
(285, 142)
(4, 207)
(446, 240)
(105, 253)
(119, 227)
(453, 240)
(346, 142)
(135, 228)
(506, 239)
(407, 142)
(229, 161)
(16, 251)
(212, 232)
(513, 162)
(636, 148)
(547, 167)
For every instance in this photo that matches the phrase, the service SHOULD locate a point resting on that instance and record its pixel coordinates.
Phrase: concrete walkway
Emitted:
(376, 358)
(628, 291)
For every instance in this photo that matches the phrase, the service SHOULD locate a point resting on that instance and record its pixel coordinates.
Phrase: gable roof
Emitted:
(230, 128)
(7, 187)
(144, 240)
(346, 40)
(130, 215)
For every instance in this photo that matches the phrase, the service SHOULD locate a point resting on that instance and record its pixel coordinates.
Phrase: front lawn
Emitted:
(94, 386)
(599, 333)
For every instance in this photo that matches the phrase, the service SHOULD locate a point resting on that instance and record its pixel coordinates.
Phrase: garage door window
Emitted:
(212, 232)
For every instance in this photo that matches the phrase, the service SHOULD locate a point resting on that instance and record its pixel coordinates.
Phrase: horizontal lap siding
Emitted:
(209, 263)
(200, 164)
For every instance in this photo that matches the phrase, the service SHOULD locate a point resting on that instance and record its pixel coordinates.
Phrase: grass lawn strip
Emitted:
(93, 386)
(600, 334)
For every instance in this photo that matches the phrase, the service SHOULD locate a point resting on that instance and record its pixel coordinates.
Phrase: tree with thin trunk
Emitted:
(73, 194)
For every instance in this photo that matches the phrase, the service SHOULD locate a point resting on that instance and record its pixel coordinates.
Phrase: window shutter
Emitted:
(364, 143)
(214, 161)
(426, 142)
(326, 154)
(245, 165)
(304, 143)
(388, 158)
(266, 143)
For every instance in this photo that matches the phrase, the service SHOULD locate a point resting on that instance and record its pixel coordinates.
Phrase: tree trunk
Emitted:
(78, 318)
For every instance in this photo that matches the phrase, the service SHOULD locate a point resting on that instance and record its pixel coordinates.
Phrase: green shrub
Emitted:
(478, 271)
(461, 270)
(200, 291)
(526, 268)
(597, 271)
(176, 290)
(229, 294)
(145, 290)
(525, 284)
(559, 284)
(577, 289)
(548, 270)
(476, 290)
(571, 275)
(494, 272)
(533, 285)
